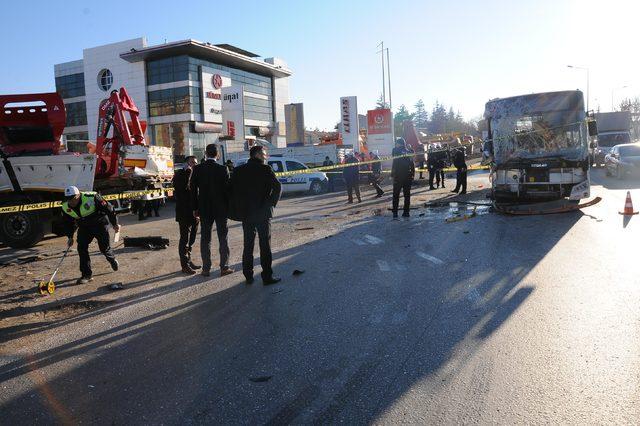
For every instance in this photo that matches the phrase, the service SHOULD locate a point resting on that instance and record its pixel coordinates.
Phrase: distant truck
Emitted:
(537, 146)
(614, 128)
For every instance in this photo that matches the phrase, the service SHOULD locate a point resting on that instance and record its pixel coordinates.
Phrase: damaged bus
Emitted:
(537, 146)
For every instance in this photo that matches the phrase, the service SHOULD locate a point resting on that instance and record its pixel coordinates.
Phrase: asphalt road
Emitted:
(496, 319)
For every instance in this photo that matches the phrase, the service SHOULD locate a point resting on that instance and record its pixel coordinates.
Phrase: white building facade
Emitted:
(176, 87)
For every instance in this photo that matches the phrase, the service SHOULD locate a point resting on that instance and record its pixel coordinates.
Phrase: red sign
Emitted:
(216, 80)
(379, 121)
(231, 129)
(213, 95)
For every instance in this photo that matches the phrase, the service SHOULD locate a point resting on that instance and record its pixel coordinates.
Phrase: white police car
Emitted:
(313, 182)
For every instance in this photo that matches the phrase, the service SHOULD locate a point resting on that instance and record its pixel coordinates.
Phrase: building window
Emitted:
(168, 70)
(76, 114)
(179, 100)
(257, 109)
(105, 79)
(77, 142)
(70, 86)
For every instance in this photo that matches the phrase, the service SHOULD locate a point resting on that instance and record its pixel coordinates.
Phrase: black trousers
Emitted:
(439, 177)
(188, 231)
(405, 186)
(432, 174)
(86, 234)
(374, 180)
(461, 179)
(249, 230)
(351, 186)
(205, 241)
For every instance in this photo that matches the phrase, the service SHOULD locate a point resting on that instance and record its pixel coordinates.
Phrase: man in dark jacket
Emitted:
(91, 214)
(461, 171)
(432, 167)
(210, 202)
(402, 171)
(351, 177)
(255, 191)
(441, 164)
(184, 214)
(376, 174)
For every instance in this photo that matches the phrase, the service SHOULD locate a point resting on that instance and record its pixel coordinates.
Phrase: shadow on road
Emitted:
(341, 343)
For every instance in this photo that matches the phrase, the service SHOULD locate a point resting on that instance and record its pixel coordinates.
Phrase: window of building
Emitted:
(105, 80)
(168, 70)
(179, 100)
(76, 114)
(70, 86)
(258, 109)
(77, 142)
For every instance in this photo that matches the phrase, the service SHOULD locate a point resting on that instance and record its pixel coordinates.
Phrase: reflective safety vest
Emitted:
(87, 206)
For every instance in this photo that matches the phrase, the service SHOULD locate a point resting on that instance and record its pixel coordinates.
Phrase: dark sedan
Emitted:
(623, 160)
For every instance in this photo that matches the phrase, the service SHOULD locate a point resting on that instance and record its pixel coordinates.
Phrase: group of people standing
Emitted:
(402, 173)
(207, 194)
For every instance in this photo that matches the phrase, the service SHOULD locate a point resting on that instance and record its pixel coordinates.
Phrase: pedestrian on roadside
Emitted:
(402, 172)
(229, 165)
(209, 201)
(441, 164)
(351, 177)
(376, 174)
(255, 192)
(187, 222)
(91, 215)
(431, 166)
(461, 171)
(327, 162)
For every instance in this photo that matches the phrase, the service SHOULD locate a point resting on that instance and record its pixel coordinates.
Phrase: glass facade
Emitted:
(183, 67)
(179, 100)
(77, 142)
(76, 114)
(180, 137)
(70, 86)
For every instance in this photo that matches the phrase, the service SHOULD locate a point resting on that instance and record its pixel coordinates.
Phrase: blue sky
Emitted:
(459, 52)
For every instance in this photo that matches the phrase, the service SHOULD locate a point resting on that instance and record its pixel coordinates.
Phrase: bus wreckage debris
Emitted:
(543, 208)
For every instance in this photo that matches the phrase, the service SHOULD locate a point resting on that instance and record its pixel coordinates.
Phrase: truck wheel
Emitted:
(316, 188)
(22, 229)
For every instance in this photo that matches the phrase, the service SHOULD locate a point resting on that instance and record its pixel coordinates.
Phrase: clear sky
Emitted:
(460, 52)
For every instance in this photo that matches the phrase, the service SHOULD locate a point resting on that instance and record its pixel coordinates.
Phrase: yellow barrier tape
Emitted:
(342, 166)
(53, 204)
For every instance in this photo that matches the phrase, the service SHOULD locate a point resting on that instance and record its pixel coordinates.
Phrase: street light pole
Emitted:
(587, 70)
(389, 78)
(384, 90)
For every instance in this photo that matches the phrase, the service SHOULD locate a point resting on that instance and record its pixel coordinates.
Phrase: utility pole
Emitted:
(587, 70)
(389, 77)
(384, 90)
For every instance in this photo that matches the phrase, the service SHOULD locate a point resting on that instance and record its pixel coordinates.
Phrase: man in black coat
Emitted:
(187, 222)
(402, 172)
(210, 202)
(376, 174)
(255, 191)
(351, 177)
(461, 171)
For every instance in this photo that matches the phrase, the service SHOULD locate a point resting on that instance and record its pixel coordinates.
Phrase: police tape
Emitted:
(344, 165)
(57, 204)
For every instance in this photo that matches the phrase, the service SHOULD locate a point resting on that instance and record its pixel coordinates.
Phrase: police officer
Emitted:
(461, 171)
(376, 174)
(91, 214)
(441, 164)
(431, 166)
(402, 172)
(351, 177)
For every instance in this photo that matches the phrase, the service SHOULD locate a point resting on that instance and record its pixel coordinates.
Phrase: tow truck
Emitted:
(34, 169)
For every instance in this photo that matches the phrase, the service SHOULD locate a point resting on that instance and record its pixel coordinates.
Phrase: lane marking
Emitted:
(401, 267)
(373, 240)
(358, 242)
(383, 265)
(430, 258)
(473, 296)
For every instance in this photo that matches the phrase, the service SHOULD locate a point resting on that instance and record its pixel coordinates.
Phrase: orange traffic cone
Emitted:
(628, 206)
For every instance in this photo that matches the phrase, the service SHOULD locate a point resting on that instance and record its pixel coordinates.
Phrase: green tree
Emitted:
(401, 115)
(420, 115)
(381, 104)
(438, 122)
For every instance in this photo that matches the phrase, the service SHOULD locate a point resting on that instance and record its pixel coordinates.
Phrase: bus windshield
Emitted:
(538, 126)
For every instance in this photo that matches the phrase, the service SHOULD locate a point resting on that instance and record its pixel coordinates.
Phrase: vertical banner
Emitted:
(294, 119)
(233, 113)
(380, 131)
(349, 121)
(211, 96)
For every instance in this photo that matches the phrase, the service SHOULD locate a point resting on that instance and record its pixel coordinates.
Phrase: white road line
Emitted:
(373, 240)
(358, 242)
(473, 296)
(430, 258)
(401, 267)
(383, 265)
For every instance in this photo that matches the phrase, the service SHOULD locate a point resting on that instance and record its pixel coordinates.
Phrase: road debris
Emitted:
(153, 243)
(297, 272)
(260, 379)
(115, 286)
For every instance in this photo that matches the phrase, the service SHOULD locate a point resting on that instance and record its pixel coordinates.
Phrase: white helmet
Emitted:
(71, 191)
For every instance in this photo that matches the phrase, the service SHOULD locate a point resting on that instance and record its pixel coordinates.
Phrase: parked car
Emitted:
(623, 160)
(315, 183)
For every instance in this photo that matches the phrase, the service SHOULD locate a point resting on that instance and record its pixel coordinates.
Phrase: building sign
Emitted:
(349, 121)
(233, 113)
(212, 83)
(294, 119)
(380, 131)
